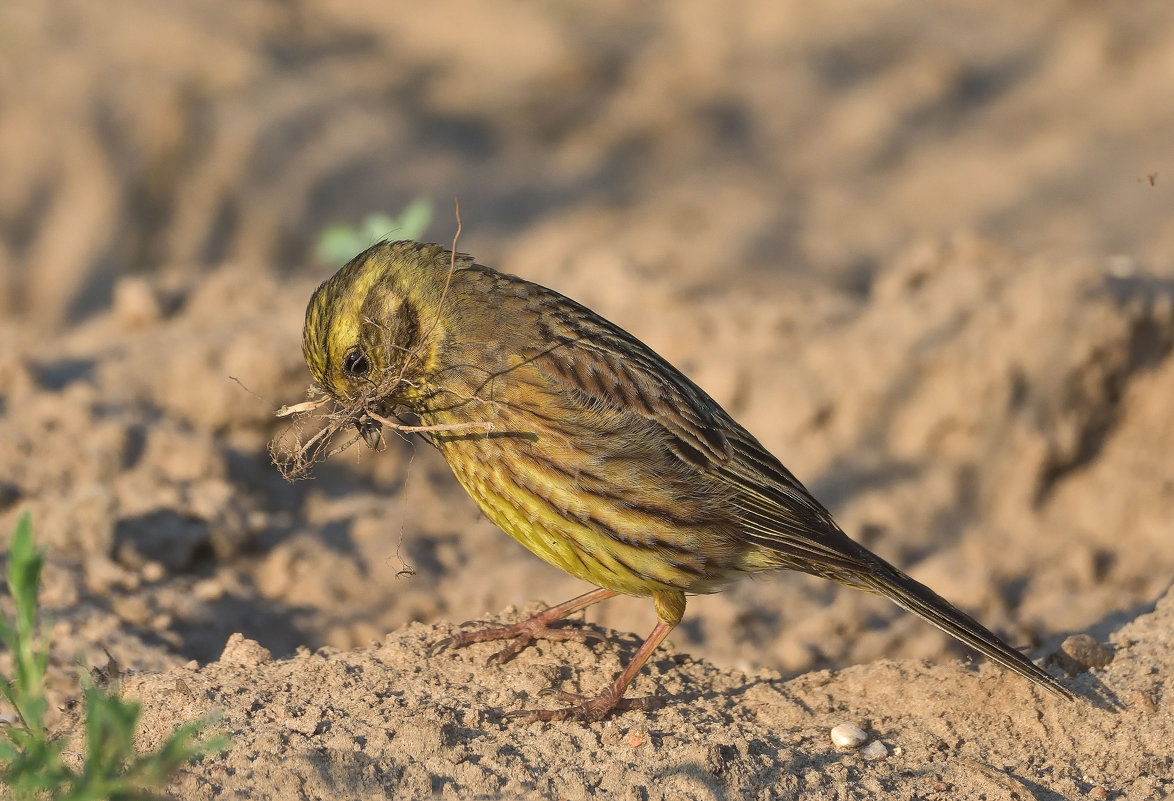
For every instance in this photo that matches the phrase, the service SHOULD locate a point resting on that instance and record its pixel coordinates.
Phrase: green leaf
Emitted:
(338, 244)
(29, 659)
(24, 574)
(415, 219)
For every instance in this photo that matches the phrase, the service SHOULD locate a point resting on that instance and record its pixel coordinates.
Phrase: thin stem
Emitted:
(446, 427)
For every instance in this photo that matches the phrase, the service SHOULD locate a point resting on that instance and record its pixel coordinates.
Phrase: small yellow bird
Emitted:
(585, 446)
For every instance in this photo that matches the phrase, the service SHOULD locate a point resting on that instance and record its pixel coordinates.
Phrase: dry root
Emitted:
(294, 453)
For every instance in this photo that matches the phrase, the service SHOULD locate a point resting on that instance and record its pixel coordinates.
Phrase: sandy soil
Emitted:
(924, 255)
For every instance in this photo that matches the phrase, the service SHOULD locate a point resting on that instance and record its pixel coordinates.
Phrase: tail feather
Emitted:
(886, 580)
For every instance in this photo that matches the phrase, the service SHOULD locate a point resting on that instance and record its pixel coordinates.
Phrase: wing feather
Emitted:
(603, 366)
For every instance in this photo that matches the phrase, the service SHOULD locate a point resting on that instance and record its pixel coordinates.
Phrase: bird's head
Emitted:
(366, 326)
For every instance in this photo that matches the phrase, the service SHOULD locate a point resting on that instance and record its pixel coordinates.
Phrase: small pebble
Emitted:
(1081, 653)
(1087, 651)
(874, 750)
(848, 736)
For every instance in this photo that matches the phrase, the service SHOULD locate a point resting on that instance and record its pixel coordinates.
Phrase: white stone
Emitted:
(848, 736)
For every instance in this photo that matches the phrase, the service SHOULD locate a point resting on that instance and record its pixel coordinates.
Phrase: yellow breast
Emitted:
(550, 511)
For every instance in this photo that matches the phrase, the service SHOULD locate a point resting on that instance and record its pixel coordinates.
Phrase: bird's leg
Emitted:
(533, 628)
(589, 710)
(670, 608)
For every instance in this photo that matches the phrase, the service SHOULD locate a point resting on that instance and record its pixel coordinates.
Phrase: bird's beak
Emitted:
(371, 431)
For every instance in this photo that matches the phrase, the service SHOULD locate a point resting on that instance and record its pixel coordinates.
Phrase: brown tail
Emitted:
(886, 580)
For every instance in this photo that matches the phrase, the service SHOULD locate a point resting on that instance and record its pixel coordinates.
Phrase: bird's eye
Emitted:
(355, 363)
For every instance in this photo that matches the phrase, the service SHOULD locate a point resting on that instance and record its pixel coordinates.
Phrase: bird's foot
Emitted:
(520, 634)
(585, 710)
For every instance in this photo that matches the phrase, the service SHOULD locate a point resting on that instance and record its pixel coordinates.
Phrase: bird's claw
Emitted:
(440, 645)
(522, 634)
(583, 709)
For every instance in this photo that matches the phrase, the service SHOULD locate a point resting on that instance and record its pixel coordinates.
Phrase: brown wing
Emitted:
(599, 364)
(604, 367)
(778, 514)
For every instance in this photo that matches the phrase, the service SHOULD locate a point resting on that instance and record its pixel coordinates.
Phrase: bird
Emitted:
(587, 447)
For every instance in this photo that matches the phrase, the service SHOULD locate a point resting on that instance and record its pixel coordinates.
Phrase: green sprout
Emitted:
(31, 763)
(338, 244)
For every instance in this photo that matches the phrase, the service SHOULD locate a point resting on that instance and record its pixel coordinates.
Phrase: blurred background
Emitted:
(925, 254)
